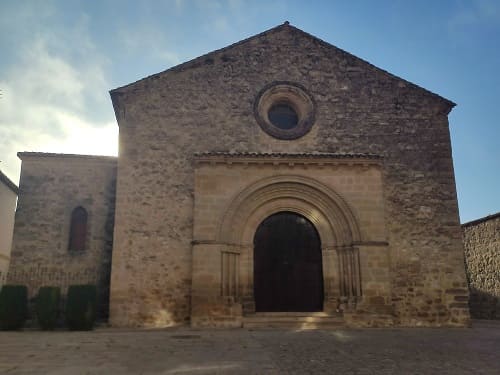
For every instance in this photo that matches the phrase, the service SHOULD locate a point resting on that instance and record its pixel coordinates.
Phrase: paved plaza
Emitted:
(186, 351)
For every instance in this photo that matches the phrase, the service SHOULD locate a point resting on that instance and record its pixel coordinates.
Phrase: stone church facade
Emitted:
(275, 176)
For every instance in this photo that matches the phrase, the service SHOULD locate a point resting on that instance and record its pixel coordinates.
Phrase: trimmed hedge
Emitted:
(13, 306)
(47, 306)
(81, 307)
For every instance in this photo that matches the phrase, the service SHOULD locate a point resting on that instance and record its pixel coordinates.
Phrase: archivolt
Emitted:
(327, 210)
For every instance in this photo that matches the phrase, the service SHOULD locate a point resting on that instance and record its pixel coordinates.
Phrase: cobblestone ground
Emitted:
(186, 351)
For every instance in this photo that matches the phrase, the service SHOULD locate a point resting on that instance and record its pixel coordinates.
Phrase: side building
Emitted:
(64, 223)
(482, 263)
(8, 199)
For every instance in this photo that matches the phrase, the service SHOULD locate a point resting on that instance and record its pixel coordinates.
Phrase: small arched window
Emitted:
(78, 230)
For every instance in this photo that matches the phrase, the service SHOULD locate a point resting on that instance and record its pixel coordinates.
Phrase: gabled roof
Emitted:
(7, 182)
(280, 28)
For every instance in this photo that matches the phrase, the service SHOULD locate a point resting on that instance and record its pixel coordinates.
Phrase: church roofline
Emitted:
(26, 154)
(6, 180)
(188, 64)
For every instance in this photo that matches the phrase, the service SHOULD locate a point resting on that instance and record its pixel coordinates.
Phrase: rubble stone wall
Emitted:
(482, 261)
(51, 186)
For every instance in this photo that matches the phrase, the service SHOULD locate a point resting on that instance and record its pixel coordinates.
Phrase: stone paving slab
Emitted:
(187, 351)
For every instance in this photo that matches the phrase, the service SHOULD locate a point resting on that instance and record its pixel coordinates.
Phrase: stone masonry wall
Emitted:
(482, 262)
(51, 186)
(207, 105)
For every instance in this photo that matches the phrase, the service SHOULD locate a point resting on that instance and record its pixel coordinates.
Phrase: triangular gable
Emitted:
(285, 27)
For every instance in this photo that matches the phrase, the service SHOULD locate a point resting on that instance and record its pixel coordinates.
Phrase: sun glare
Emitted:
(82, 138)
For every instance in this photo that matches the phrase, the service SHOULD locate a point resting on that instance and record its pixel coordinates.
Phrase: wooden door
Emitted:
(288, 273)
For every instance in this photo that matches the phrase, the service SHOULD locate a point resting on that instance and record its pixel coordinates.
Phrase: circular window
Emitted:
(284, 110)
(283, 116)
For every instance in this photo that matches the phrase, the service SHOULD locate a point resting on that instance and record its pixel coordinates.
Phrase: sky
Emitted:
(59, 59)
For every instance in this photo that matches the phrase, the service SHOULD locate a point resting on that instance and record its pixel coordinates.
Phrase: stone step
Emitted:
(295, 320)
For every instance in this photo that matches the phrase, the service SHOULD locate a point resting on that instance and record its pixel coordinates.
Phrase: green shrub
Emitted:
(47, 306)
(13, 306)
(81, 307)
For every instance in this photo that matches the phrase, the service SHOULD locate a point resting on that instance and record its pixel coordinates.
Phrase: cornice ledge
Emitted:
(289, 159)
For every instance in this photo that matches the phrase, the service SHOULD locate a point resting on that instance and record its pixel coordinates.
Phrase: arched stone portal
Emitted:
(331, 216)
(288, 272)
(340, 197)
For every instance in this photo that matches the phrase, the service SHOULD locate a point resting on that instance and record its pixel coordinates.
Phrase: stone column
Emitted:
(330, 279)
(349, 277)
(246, 274)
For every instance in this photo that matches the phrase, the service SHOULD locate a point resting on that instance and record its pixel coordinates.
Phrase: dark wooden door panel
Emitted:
(288, 273)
